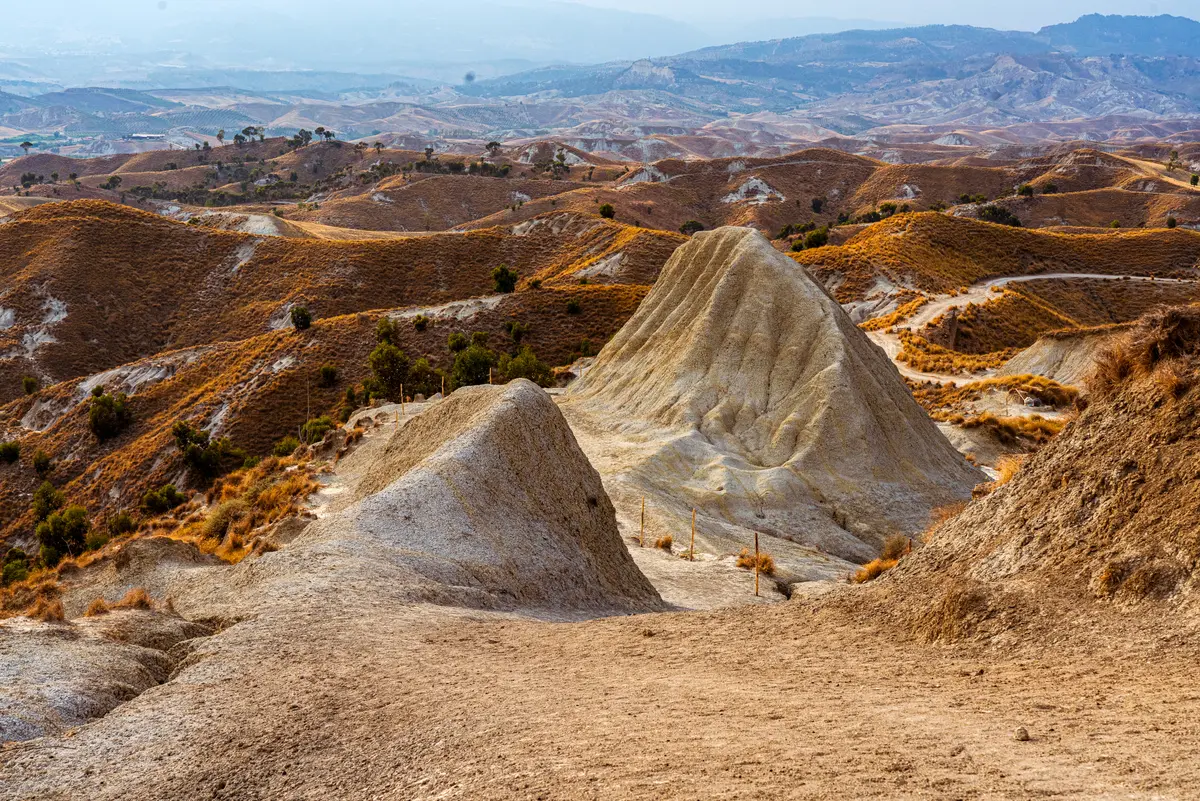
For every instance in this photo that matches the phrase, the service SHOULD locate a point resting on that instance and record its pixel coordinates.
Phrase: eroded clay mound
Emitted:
(484, 500)
(738, 344)
(1066, 357)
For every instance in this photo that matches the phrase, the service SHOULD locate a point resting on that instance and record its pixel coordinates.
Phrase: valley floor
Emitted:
(755, 702)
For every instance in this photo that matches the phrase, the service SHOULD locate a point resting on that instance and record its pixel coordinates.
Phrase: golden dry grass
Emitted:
(902, 312)
(664, 543)
(96, 608)
(766, 563)
(1008, 467)
(136, 598)
(873, 570)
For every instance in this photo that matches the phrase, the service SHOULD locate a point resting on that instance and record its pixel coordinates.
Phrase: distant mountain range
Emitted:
(860, 83)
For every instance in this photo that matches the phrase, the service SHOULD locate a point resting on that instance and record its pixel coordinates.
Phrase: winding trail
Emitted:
(981, 293)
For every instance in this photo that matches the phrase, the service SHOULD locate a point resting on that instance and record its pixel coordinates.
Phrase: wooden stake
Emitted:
(401, 403)
(756, 564)
(692, 551)
(443, 386)
(490, 374)
(642, 531)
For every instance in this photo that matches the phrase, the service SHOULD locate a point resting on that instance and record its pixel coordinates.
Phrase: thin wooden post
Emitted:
(401, 403)
(692, 550)
(443, 386)
(490, 375)
(642, 530)
(756, 564)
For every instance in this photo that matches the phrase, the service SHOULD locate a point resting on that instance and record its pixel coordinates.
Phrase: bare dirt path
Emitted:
(772, 702)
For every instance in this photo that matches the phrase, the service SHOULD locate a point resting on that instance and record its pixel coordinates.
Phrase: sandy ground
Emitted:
(753, 703)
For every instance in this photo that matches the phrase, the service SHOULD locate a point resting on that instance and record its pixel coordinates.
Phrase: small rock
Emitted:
(1021, 735)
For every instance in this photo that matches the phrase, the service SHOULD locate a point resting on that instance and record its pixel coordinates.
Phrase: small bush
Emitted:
(664, 543)
(95, 540)
(1172, 222)
(390, 366)
(29, 384)
(14, 572)
(385, 331)
(46, 501)
(816, 239)
(301, 318)
(420, 322)
(573, 307)
(536, 283)
(42, 463)
(1000, 215)
(607, 211)
(457, 341)
(505, 279)
(327, 375)
(691, 227)
(525, 365)
(96, 608)
(109, 415)
(286, 446)
(873, 570)
(219, 520)
(472, 366)
(766, 563)
(162, 500)
(895, 547)
(206, 456)
(316, 429)
(136, 598)
(423, 379)
(64, 532)
(10, 452)
(121, 523)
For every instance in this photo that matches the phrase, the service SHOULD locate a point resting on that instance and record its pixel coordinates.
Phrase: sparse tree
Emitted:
(607, 211)
(239, 139)
(1171, 222)
(26, 146)
(221, 136)
(378, 148)
(301, 318)
(493, 148)
(1195, 179)
(390, 366)
(428, 152)
(506, 279)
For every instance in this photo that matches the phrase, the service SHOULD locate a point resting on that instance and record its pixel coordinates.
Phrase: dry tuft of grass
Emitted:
(895, 547)
(664, 543)
(136, 598)
(1008, 467)
(766, 563)
(1162, 337)
(921, 354)
(874, 569)
(1011, 430)
(47, 610)
(96, 608)
(902, 313)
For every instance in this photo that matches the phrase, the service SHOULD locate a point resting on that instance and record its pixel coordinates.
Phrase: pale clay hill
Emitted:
(756, 399)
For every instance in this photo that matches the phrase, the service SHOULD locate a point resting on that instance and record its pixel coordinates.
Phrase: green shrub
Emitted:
(998, 214)
(95, 540)
(286, 446)
(29, 384)
(10, 452)
(607, 211)
(1172, 222)
(46, 501)
(121, 523)
(1025, 190)
(327, 375)
(423, 378)
(818, 238)
(472, 366)
(301, 318)
(536, 283)
(457, 341)
(351, 397)
(390, 366)
(573, 307)
(516, 330)
(385, 331)
(206, 456)
(690, 227)
(420, 322)
(525, 365)
(42, 463)
(316, 429)
(504, 278)
(162, 500)
(14, 571)
(1049, 189)
(219, 520)
(108, 415)
(64, 532)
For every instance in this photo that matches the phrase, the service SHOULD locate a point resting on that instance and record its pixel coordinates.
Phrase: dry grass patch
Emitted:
(96, 608)
(136, 598)
(921, 354)
(664, 543)
(903, 312)
(765, 562)
(1008, 467)
(874, 569)
(47, 610)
